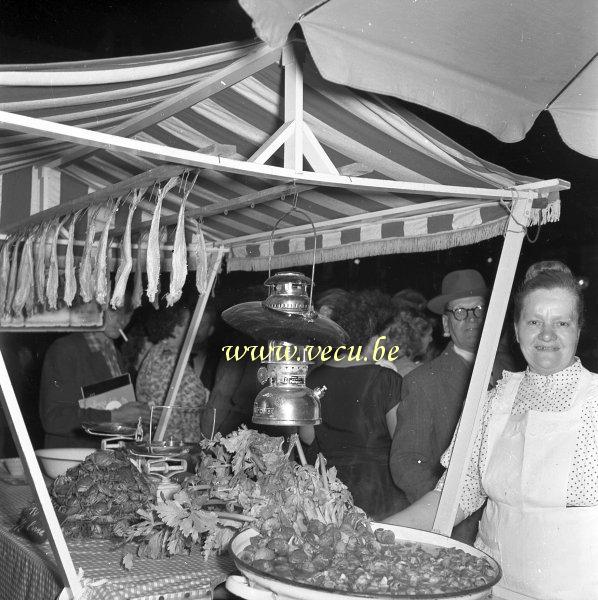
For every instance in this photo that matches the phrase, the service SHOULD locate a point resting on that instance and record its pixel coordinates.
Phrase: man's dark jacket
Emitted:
(69, 364)
(431, 402)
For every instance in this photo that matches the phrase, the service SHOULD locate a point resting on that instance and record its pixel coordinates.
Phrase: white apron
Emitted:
(546, 551)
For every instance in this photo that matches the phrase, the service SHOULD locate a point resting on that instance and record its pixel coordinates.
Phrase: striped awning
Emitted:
(377, 134)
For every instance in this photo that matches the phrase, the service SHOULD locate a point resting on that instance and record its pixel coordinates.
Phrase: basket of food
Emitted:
(377, 561)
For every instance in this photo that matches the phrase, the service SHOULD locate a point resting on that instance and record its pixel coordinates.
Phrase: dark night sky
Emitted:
(42, 31)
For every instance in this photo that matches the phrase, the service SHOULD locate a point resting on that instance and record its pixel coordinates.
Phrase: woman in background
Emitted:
(358, 408)
(166, 329)
(411, 332)
(327, 302)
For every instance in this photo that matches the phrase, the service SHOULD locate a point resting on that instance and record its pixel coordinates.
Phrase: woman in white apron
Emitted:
(536, 455)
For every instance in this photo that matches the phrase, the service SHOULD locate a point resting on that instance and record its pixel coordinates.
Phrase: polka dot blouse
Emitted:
(543, 393)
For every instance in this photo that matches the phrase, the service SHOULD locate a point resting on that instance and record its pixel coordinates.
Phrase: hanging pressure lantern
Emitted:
(288, 324)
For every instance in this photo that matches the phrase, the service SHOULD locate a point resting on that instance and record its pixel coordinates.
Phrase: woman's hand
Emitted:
(421, 514)
(307, 434)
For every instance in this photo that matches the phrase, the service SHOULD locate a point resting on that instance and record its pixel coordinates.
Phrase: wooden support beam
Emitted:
(99, 196)
(183, 360)
(273, 143)
(22, 441)
(292, 58)
(472, 414)
(223, 207)
(191, 159)
(253, 62)
(546, 185)
(315, 154)
(251, 199)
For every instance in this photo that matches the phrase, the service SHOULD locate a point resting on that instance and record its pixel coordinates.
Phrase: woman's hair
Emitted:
(364, 314)
(408, 330)
(409, 298)
(331, 298)
(161, 323)
(548, 275)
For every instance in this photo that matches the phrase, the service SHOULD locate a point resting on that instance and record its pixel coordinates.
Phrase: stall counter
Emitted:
(29, 570)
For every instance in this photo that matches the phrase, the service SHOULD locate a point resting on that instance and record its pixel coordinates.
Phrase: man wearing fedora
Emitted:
(432, 395)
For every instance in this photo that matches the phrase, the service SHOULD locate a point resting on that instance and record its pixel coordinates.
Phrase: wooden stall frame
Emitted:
(299, 142)
(471, 414)
(73, 588)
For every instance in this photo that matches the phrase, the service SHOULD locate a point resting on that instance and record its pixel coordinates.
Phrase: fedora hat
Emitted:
(458, 284)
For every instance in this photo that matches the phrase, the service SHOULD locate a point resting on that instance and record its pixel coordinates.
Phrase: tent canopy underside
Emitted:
(364, 134)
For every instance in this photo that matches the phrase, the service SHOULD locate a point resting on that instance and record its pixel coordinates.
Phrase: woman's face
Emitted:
(426, 341)
(180, 330)
(548, 330)
(115, 320)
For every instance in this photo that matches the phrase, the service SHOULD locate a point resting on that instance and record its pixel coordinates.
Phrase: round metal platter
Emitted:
(108, 428)
(272, 585)
(264, 323)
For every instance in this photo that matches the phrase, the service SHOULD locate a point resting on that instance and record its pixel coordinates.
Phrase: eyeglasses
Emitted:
(461, 313)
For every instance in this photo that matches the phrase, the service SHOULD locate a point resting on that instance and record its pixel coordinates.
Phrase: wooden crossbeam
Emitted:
(251, 199)
(228, 205)
(253, 62)
(114, 143)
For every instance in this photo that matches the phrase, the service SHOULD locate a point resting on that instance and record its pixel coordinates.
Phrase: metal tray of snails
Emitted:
(389, 563)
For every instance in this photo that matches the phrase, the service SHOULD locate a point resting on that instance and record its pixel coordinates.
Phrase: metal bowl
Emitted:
(109, 428)
(257, 585)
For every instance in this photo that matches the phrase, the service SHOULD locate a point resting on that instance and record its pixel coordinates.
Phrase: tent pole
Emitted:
(292, 60)
(177, 376)
(20, 435)
(471, 415)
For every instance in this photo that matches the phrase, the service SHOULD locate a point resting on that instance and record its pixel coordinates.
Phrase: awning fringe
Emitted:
(423, 243)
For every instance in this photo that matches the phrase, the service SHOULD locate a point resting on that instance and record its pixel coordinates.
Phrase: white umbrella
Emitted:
(495, 64)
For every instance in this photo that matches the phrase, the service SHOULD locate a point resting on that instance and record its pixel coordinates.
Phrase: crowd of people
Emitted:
(388, 414)
(389, 419)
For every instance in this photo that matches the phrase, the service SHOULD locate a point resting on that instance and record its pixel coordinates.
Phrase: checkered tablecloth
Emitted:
(29, 572)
